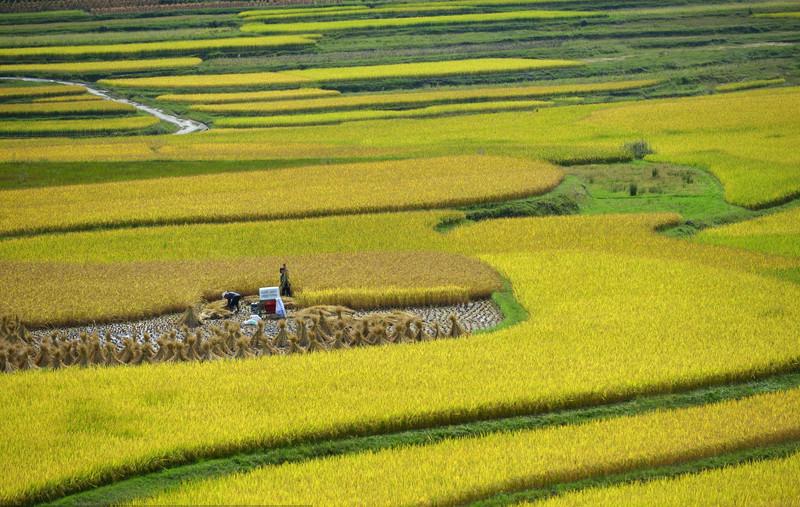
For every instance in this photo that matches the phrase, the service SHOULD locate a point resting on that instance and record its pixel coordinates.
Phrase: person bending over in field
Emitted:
(286, 287)
(233, 301)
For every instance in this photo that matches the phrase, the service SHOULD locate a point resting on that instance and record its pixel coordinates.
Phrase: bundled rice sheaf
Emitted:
(317, 329)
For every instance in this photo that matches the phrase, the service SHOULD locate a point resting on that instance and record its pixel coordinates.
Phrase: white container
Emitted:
(269, 293)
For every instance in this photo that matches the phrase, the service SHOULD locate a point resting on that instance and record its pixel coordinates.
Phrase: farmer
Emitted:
(233, 300)
(286, 287)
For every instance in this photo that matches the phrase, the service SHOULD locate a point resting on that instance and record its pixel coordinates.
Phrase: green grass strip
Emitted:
(150, 484)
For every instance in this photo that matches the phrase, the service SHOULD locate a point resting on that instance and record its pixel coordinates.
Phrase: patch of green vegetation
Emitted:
(513, 312)
(154, 483)
(606, 188)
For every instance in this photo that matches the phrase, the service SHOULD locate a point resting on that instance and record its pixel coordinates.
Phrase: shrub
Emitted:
(638, 149)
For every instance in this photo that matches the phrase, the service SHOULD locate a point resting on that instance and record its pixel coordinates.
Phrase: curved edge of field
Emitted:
(160, 481)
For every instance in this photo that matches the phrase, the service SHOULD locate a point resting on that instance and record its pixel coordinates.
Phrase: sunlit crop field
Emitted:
(106, 125)
(106, 292)
(778, 233)
(14, 92)
(328, 189)
(362, 24)
(459, 471)
(628, 347)
(604, 194)
(88, 107)
(274, 106)
(99, 67)
(376, 114)
(769, 482)
(335, 74)
(159, 47)
(267, 95)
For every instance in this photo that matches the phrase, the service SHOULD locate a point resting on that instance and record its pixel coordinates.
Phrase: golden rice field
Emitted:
(63, 294)
(778, 233)
(347, 10)
(335, 74)
(267, 95)
(375, 125)
(458, 471)
(305, 236)
(795, 14)
(746, 139)
(69, 98)
(305, 104)
(746, 85)
(160, 47)
(327, 190)
(99, 67)
(212, 145)
(769, 482)
(70, 107)
(366, 24)
(723, 133)
(626, 338)
(84, 126)
(377, 114)
(17, 92)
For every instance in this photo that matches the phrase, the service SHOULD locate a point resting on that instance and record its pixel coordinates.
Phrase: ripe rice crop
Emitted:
(328, 189)
(373, 101)
(626, 347)
(108, 126)
(778, 233)
(17, 92)
(212, 145)
(269, 95)
(347, 10)
(746, 85)
(143, 48)
(795, 14)
(305, 236)
(299, 10)
(722, 133)
(768, 482)
(105, 107)
(601, 334)
(368, 114)
(99, 67)
(365, 24)
(69, 98)
(70, 294)
(335, 74)
(251, 80)
(458, 471)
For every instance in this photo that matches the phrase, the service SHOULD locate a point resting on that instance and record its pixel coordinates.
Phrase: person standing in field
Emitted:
(233, 301)
(286, 287)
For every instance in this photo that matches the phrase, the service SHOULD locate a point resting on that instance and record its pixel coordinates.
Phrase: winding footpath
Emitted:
(184, 126)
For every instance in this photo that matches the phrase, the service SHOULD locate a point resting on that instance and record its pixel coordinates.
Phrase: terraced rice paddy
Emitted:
(62, 127)
(278, 106)
(345, 189)
(98, 67)
(65, 108)
(606, 196)
(334, 74)
(227, 44)
(329, 26)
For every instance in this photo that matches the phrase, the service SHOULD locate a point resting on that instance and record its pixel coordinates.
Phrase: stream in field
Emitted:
(184, 126)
